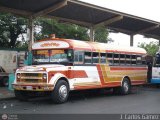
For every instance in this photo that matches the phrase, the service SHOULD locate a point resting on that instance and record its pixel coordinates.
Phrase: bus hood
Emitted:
(38, 68)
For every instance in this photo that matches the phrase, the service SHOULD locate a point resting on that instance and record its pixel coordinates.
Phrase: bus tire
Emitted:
(61, 92)
(21, 95)
(126, 87)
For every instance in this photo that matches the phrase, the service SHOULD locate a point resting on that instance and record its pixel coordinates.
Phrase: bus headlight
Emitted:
(44, 76)
(18, 75)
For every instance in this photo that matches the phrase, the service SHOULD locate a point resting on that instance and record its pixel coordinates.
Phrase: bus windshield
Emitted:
(52, 56)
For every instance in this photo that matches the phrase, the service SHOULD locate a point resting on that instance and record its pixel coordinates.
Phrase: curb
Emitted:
(6, 94)
(7, 98)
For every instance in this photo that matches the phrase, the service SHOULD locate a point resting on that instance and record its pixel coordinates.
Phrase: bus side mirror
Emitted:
(70, 55)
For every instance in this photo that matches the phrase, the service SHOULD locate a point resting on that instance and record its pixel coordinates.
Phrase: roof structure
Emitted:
(84, 14)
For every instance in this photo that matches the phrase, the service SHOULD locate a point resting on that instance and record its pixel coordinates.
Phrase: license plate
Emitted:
(29, 88)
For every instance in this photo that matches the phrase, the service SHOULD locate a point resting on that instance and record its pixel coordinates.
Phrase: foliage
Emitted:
(50, 26)
(11, 27)
(13, 31)
(101, 35)
(70, 31)
(151, 48)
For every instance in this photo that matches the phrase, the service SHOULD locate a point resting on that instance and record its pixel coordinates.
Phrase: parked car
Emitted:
(4, 77)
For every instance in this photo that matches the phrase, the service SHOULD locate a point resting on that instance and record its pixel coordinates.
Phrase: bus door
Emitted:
(156, 70)
(155, 75)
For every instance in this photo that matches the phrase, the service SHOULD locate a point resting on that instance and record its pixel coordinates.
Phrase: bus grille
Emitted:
(32, 78)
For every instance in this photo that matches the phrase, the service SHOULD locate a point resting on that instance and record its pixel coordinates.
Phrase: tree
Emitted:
(14, 28)
(101, 35)
(11, 27)
(50, 26)
(151, 48)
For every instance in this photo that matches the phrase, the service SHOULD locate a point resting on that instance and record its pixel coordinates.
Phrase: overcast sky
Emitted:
(143, 8)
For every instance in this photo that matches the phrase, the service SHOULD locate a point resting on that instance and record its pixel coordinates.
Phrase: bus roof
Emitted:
(57, 43)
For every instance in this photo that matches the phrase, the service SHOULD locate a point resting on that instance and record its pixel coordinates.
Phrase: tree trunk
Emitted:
(13, 37)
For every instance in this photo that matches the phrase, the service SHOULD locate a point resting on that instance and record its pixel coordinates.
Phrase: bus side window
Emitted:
(122, 59)
(87, 57)
(116, 59)
(95, 57)
(143, 60)
(128, 59)
(81, 57)
(78, 57)
(133, 62)
(103, 58)
(110, 58)
(139, 60)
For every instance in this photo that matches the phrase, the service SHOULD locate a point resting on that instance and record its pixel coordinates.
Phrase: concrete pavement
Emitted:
(5, 93)
(142, 100)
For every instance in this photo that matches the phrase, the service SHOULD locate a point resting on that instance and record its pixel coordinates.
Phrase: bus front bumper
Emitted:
(33, 87)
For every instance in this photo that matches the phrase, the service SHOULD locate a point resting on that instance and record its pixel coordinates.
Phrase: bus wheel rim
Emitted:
(63, 91)
(126, 87)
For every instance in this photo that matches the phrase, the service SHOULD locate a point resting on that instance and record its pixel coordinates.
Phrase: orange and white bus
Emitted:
(62, 65)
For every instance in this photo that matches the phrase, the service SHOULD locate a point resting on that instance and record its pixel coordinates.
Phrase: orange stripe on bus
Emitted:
(115, 84)
(100, 74)
(127, 68)
(77, 74)
(124, 52)
(70, 74)
(138, 82)
(86, 87)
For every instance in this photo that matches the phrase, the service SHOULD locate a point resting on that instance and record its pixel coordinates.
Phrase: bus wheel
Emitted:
(21, 95)
(126, 87)
(60, 92)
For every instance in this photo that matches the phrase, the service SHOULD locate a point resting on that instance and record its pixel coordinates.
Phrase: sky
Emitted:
(148, 9)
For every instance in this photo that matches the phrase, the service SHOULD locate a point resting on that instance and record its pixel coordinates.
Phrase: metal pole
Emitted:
(131, 40)
(91, 34)
(30, 33)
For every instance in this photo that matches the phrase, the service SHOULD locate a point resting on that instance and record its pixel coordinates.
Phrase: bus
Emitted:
(63, 65)
(155, 69)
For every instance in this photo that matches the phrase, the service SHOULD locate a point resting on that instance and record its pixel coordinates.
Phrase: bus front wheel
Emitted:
(60, 92)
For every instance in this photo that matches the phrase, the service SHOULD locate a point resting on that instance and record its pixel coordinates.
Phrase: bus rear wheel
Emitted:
(60, 92)
(126, 87)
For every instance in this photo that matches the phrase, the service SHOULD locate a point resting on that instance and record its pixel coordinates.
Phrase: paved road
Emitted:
(142, 100)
